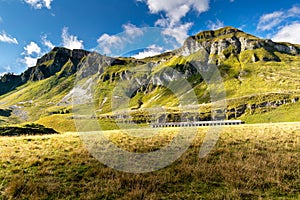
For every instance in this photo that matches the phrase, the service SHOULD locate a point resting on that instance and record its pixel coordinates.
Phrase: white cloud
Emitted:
(275, 19)
(32, 48)
(148, 52)
(215, 25)
(289, 33)
(110, 40)
(163, 22)
(39, 4)
(107, 43)
(180, 32)
(33, 51)
(283, 25)
(31, 54)
(71, 41)
(7, 38)
(47, 42)
(269, 21)
(29, 61)
(132, 31)
(176, 9)
(295, 10)
(48, 3)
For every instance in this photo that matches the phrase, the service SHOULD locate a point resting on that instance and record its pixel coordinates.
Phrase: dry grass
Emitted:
(248, 162)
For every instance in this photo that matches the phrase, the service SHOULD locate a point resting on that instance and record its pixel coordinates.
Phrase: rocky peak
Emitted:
(61, 53)
(78, 54)
(55, 60)
(57, 52)
(9, 82)
(205, 35)
(229, 41)
(59, 59)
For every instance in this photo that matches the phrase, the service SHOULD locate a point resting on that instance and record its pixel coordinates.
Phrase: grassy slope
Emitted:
(45, 95)
(264, 77)
(248, 162)
(260, 78)
(240, 79)
(65, 123)
(285, 113)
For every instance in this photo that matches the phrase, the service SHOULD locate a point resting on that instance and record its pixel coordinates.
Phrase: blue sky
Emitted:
(30, 28)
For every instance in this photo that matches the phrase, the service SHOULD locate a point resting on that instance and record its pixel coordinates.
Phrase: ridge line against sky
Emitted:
(31, 28)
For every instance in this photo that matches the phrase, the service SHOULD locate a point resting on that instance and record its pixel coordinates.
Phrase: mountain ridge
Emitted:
(227, 41)
(215, 43)
(242, 59)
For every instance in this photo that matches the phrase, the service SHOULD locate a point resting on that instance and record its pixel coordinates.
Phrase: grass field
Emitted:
(248, 162)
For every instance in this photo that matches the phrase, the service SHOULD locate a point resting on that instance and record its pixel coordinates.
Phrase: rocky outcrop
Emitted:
(221, 44)
(9, 82)
(55, 54)
(54, 62)
(282, 47)
(143, 116)
(258, 107)
(46, 66)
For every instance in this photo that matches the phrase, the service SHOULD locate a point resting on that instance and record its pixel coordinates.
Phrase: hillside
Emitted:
(260, 78)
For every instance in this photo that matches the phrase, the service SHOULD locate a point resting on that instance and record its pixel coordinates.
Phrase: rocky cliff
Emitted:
(59, 59)
(228, 41)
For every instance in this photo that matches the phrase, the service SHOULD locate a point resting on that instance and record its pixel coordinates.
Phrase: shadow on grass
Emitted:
(28, 129)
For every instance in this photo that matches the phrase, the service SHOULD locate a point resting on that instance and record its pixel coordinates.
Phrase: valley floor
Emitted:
(258, 161)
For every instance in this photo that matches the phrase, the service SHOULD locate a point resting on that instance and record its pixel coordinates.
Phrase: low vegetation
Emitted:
(248, 162)
(28, 129)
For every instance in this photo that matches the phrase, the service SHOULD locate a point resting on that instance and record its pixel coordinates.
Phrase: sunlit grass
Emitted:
(248, 162)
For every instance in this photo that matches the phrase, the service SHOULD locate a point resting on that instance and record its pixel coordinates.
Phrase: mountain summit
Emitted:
(226, 42)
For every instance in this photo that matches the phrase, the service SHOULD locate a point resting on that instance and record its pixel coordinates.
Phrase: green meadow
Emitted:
(248, 162)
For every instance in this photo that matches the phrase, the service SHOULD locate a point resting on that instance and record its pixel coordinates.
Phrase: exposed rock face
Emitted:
(262, 107)
(231, 113)
(230, 41)
(9, 82)
(47, 66)
(219, 45)
(55, 54)
(96, 63)
(58, 57)
(247, 44)
(190, 46)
